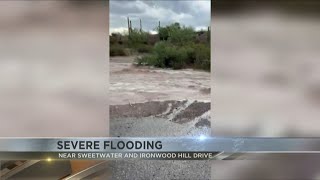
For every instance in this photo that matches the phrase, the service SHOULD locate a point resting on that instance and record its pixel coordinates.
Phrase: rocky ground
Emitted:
(165, 118)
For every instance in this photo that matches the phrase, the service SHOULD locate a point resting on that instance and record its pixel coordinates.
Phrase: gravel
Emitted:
(135, 120)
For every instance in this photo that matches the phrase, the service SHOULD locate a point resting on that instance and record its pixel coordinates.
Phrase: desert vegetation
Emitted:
(174, 46)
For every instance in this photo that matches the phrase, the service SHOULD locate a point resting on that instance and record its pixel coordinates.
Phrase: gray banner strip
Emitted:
(106, 155)
(161, 144)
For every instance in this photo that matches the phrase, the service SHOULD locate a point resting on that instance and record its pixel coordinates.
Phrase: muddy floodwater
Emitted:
(147, 101)
(151, 102)
(130, 84)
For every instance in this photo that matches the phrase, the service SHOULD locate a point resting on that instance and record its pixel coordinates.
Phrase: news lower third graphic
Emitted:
(182, 148)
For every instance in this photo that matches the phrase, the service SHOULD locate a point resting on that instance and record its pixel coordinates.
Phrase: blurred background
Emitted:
(266, 71)
(53, 68)
(53, 80)
(266, 83)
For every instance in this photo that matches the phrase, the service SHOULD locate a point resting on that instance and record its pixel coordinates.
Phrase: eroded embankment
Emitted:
(160, 118)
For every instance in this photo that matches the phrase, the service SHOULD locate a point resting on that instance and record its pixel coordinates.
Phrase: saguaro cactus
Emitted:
(128, 25)
(140, 26)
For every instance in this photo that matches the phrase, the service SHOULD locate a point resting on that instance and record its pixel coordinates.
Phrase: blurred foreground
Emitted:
(266, 82)
(52, 69)
(266, 74)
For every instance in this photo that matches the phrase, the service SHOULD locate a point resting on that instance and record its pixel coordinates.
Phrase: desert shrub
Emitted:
(153, 39)
(189, 49)
(165, 55)
(149, 60)
(144, 48)
(118, 50)
(136, 38)
(202, 57)
(208, 36)
(177, 49)
(176, 34)
(168, 55)
(113, 39)
(163, 33)
(138, 41)
(182, 35)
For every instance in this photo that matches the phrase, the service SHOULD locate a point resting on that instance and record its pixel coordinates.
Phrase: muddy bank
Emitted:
(160, 118)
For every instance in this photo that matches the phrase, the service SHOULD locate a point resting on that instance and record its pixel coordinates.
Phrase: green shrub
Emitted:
(177, 34)
(180, 58)
(160, 51)
(138, 41)
(167, 55)
(137, 38)
(113, 39)
(149, 60)
(202, 57)
(118, 50)
(189, 49)
(144, 48)
(177, 49)
(182, 35)
(163, 33)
